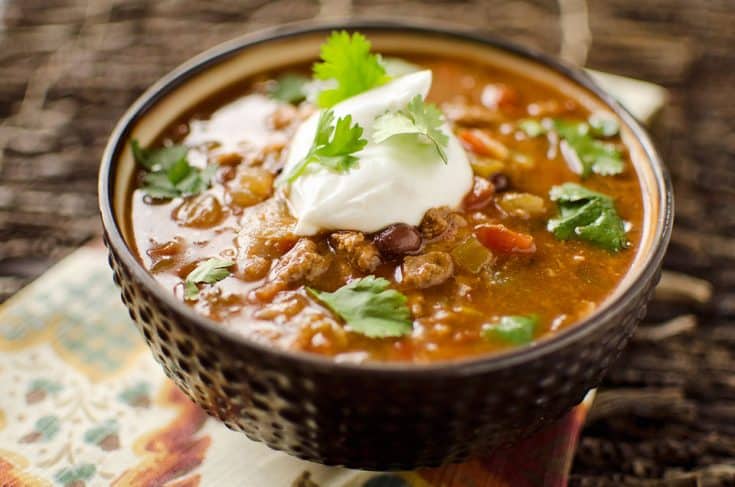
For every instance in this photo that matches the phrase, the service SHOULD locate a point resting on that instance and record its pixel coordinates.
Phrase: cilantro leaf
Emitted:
(177, 171)
(289, 88)
(169, 174)
(419, 118)
(208, 272)
(587, 215)
(594, 156)
(568, 129)
(197, 180)
(347, 60)
(514, 329)
(346, 140)
(532, 127)
(156, 159)
(573, 193)
(603, 125)
(584, 153)
(157, 185)
(333, 146)
(369, 307)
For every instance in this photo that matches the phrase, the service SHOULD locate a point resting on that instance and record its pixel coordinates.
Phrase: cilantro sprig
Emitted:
(603, 125)
(421, 119)
(206, 272)
(289, 88)
(514, 329)
(587, 153)
(594, 155)
(532, 127)
(169, 173)
(347, 60)
(369, 307)
(587, 215)
(333, 146)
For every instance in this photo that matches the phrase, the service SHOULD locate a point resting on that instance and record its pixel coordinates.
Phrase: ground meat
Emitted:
(427, 270)
(254, 267)
(362, 253)
(287, 304)
(268, 157)
(250, 186)
(202, 211)
(229, 159)
(266, 234)
(441, 223)
(303, 263)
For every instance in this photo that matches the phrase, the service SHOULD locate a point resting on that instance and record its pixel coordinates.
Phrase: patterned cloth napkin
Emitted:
(84, 404)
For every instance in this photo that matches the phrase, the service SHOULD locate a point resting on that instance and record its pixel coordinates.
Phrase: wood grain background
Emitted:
(666, 414)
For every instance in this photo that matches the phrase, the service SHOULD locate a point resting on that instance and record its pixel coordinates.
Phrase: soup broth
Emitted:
(515, 262)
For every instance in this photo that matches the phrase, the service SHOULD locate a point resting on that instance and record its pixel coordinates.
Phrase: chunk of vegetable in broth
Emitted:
(524, 205)
(516, 329)
(471, 255)
(499, 238)
(486, 167)
(482, 143)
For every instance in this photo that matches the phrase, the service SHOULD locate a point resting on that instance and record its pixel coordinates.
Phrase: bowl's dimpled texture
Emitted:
(369, 419)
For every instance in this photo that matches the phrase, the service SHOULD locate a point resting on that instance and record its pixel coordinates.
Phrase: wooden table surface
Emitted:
(666, 413)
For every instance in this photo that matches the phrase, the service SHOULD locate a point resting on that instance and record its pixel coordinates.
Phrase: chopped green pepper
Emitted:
(516, 329)
(471, 255)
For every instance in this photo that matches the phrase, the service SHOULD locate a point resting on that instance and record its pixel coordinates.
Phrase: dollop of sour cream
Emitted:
(395, 181)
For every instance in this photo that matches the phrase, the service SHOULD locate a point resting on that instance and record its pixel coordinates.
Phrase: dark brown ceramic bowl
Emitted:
(373, 416)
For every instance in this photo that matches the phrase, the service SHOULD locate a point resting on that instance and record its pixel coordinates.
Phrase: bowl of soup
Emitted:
(383, 245)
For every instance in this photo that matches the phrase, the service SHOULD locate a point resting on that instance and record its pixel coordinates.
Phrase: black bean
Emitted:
(500, 182)
(398, 239)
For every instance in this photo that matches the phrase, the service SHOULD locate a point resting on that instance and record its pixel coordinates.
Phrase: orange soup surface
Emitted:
(521, 258)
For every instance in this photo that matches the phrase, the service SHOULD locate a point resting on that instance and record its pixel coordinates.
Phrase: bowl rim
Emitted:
(458, 367)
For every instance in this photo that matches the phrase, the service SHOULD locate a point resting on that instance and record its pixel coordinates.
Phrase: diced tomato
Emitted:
(499, 238)
(481, 194)
(481, 143)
